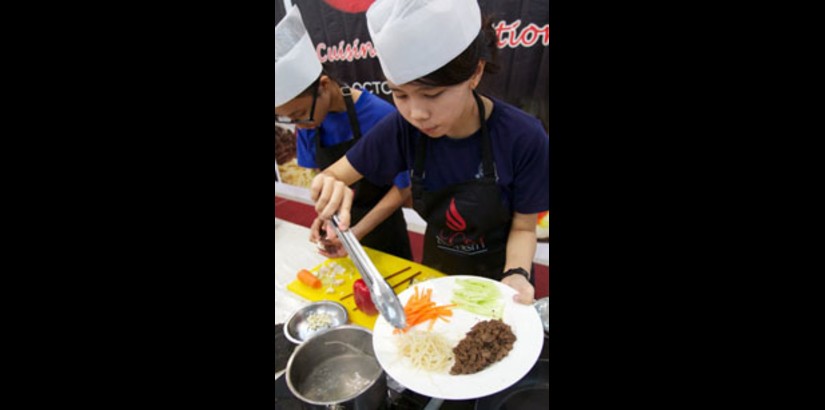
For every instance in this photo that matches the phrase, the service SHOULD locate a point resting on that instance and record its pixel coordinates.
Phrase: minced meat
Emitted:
(285, 145)
(486, 343)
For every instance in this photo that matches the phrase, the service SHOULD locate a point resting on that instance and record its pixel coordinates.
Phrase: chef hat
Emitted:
(296, 63)
(402, 29)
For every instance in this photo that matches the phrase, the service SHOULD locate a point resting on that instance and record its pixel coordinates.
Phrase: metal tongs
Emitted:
(382, 294)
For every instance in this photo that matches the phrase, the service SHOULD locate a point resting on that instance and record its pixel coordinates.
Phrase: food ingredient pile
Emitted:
(420, 308)
(427, 350)
(486, 343)
(479, 297)
(319, 320)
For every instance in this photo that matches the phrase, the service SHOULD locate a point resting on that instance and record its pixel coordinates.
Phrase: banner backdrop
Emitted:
(338, 29)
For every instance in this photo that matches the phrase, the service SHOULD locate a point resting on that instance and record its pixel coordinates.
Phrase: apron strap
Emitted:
(353, 119)
(351, 114)
(420, 157)
(318, 140)
(487, 164)
(416, 178)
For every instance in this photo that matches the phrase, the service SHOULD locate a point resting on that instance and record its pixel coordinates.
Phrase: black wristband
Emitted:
(515, 271)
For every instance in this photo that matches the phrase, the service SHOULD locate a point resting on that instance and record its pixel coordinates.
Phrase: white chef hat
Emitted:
(296, 63)
(401, 29)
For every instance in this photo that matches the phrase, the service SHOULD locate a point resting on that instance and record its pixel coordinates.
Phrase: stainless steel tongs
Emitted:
(382, 294)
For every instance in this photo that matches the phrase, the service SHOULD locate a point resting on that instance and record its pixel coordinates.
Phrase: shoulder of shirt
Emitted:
(510, 114)
(394, 122)
(368, 97)
(396, 118)
(372, 101)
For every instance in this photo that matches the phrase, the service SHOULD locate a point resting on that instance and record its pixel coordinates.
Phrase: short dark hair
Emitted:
(461, 68)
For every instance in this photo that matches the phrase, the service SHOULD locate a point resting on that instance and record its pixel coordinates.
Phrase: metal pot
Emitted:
(337, 370)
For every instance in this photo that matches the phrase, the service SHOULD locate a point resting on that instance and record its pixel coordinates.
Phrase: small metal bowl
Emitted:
(543, 308)
(298, 330)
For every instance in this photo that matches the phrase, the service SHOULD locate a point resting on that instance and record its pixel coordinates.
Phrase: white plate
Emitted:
(523, 319)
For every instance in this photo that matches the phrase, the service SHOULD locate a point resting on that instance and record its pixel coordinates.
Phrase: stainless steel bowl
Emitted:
(543, 307)
(298, 329)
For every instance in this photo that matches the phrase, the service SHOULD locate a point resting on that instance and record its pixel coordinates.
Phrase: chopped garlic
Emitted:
(330, 290)
(318, 320)
(338, 282)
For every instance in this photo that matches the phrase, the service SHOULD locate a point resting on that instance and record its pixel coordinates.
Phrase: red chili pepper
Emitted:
(363, 300)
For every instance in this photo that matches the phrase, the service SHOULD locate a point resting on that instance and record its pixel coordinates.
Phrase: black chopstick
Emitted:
(387, 278)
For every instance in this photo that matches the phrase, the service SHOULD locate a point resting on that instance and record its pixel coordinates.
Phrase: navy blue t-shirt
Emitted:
(521, 152)
(369, 109)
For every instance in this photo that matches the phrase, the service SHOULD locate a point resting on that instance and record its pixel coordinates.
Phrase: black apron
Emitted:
(467, 224)
(389, 236)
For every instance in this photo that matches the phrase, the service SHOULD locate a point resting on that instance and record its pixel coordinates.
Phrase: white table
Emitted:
(293, 252)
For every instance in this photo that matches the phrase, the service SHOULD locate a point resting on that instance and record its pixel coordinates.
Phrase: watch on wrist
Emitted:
(516, 271)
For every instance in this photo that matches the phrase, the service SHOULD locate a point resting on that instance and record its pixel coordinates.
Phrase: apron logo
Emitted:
(454, 219)
(456, 240)
(351, 6)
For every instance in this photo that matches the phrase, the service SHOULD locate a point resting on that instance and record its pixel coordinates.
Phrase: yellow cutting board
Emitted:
(385, 263)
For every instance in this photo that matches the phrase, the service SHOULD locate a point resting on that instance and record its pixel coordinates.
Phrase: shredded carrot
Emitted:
(420, 308)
